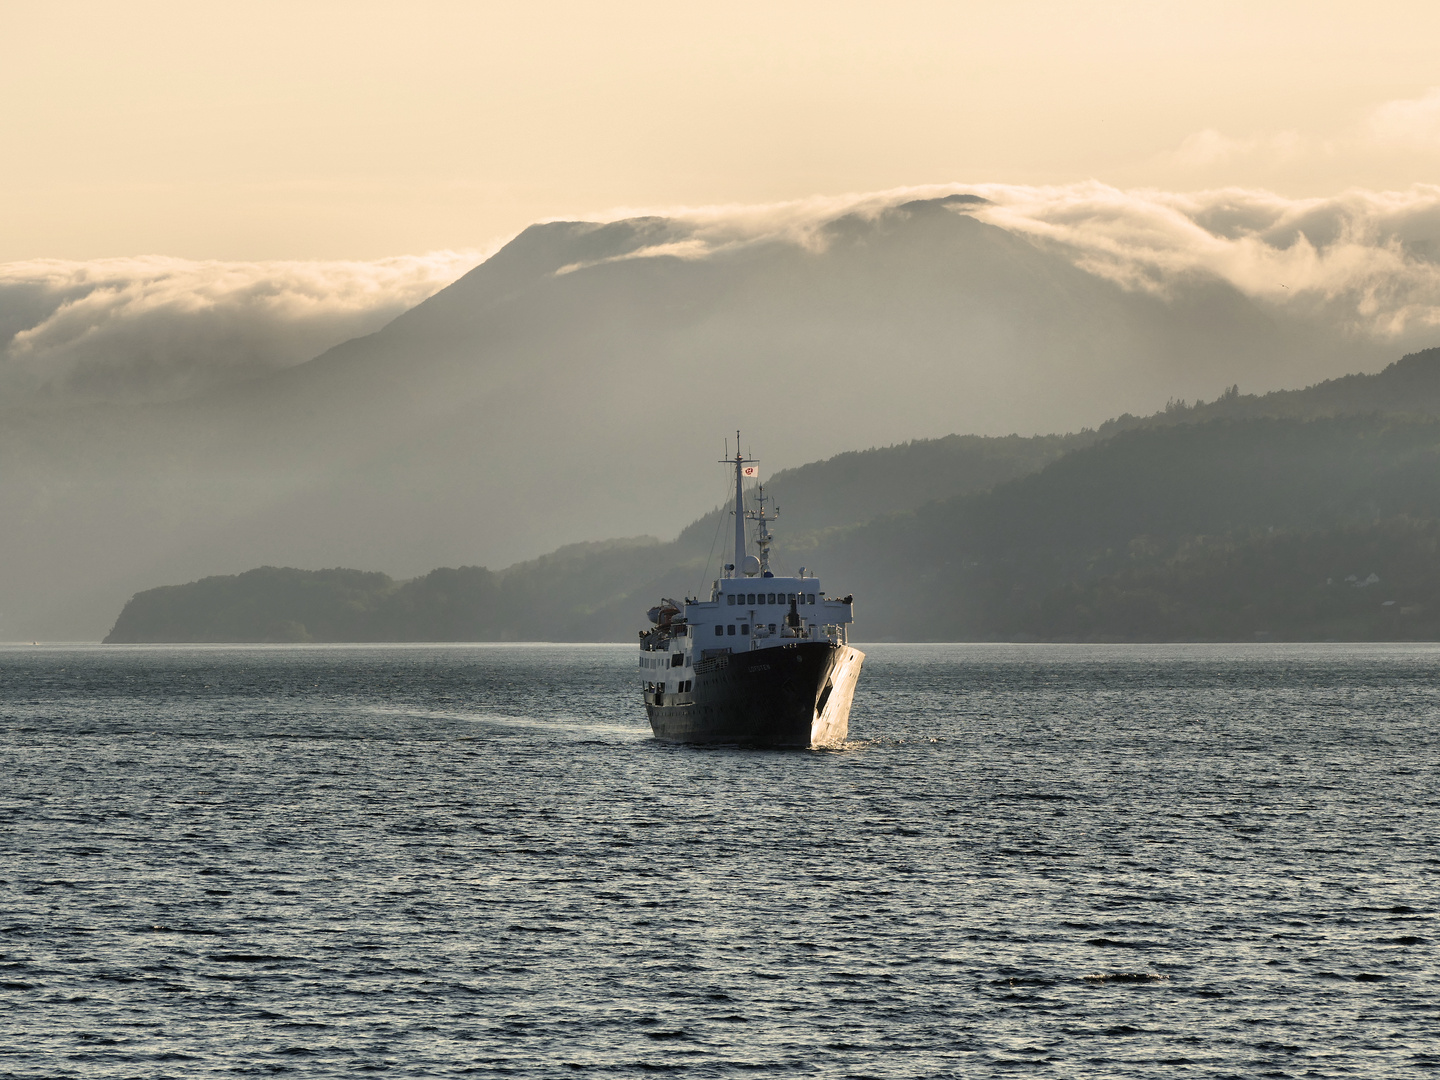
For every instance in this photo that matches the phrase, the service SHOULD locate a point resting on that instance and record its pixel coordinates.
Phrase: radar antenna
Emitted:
(763, 538)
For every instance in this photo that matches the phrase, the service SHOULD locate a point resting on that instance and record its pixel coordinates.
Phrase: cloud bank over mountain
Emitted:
(1362, 264)
(1365, 262)
(157, 328)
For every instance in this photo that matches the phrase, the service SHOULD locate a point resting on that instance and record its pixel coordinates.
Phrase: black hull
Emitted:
(794, 695)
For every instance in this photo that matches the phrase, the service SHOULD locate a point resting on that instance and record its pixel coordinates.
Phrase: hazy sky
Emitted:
(358, 130)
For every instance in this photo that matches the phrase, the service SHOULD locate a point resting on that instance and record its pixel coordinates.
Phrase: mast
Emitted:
(739, 461)
(763, 537)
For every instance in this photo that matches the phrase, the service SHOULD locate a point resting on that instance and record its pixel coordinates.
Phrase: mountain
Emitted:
(1375, 581)
(996, 566)
(580, 592)
(1206, 521)
(567, 388)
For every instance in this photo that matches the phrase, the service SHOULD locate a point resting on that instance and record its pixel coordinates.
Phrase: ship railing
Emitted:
(716, 661)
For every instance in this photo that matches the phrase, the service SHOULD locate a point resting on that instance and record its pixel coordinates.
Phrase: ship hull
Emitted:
(792, 695)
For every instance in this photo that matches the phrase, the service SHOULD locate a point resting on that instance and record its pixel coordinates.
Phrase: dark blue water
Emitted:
(430, 861)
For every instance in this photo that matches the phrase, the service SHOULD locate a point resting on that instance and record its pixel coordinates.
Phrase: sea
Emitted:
(474, 860)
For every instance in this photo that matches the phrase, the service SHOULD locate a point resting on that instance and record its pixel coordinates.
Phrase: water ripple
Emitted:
(427, 861)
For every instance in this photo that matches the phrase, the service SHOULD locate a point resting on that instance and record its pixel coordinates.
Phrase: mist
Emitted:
(163, 421)
(157, 328)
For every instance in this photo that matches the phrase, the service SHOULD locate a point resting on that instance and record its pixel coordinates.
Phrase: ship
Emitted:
(764, 661)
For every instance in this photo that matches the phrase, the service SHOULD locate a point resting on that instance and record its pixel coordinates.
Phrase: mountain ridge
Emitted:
(1199, 460)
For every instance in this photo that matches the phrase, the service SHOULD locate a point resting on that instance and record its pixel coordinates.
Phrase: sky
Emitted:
(364, 131)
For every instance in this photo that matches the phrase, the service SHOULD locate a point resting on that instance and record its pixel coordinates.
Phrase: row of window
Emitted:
(769, 598)
(729, 628)
(668, 660)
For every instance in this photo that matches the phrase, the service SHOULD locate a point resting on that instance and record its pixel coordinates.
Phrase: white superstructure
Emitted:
(749, 610)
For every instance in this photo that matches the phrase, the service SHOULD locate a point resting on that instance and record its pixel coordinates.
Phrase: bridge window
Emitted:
(730, 598)
(719, 630)
(770, 598)
(811, 599)
(730, 629)
(749, 598)
(744, 628)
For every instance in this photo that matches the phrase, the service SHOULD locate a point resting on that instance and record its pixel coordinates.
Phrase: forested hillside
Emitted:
(1219, 520)
(1021, 560)
(1363, 582)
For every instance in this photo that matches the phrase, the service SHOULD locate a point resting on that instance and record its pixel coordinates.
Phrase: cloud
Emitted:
(1363, 263)
(1360, 262)
(1407, 128)
(1411, 122)
(156, 328)
(1400, 137)
(1209, 148)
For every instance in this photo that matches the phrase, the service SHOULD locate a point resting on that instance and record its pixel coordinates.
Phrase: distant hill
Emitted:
(996, 566)
(1377, 581)
(579, 383)
(274, 604)
(1114, 534)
